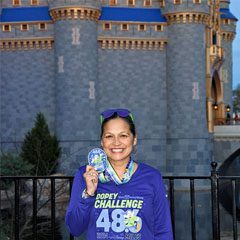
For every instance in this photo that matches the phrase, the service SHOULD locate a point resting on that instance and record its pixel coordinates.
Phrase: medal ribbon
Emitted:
(110, 175)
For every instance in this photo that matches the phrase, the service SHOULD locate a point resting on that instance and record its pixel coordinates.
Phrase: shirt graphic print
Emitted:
(116, 213)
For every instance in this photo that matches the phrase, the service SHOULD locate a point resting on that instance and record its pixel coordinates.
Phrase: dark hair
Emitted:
(127, 119)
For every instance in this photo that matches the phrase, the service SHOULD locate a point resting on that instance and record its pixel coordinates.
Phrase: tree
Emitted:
(40, 148)
(13, 165)
(39, 154)
(236, 99)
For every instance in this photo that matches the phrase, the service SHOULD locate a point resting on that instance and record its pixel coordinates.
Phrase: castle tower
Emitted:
(219, 36)
(76, 72)
(189, 144)
(228, 32)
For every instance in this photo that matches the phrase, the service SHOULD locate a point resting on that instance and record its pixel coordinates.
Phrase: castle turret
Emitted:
(76, 72)
(228, 32)
(189, 144)
(219, 36)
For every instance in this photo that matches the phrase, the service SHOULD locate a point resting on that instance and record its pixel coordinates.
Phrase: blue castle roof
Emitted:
(28, 14)
(132, 14)
(25, 14)
(225, 13)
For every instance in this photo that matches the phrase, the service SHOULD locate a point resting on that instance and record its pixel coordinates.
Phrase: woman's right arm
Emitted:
(79, 209)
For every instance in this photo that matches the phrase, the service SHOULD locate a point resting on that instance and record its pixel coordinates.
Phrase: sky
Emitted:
(235, 9)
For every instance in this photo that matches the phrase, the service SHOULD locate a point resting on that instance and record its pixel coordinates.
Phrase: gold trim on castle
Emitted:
(187, 17)
(26, 44)
(132, 44)
(228, 36)
(73, 13)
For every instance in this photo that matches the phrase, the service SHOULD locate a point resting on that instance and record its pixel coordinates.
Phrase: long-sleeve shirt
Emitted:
(135, 210)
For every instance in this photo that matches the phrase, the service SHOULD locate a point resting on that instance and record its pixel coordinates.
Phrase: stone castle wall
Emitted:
(76, 68)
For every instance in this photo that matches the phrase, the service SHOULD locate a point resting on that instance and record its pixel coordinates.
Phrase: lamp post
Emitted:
(228, 108)
(215, 106)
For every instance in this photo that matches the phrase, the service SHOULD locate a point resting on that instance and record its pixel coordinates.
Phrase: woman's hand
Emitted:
(91, 179)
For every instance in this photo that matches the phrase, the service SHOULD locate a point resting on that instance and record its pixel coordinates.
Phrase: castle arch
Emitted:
(217, 98)
(216, 90)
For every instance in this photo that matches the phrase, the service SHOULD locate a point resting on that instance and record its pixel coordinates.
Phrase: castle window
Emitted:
(112, 2)
(159, 28)
(197, 1)
(16, 2)
(147, 3)
(214, 39)
(107, 26)
(226, 21)
(162, 3)
(177, 1)
(142, 27)
(131, 2)
(6, 28)
(34, 2)
(42, 26)
(24, 27)
(124, 27)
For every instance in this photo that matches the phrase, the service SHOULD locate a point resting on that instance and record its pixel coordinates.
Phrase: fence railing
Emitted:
(226, 121)
(30, 199)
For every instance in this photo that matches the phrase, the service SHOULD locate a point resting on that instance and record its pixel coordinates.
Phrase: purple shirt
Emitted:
(135, 210)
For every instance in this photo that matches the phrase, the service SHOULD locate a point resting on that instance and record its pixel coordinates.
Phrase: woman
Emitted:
(127, 200)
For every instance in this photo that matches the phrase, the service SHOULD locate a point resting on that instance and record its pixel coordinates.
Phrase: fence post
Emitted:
(215, 202)
(16, 211)
(53, 205)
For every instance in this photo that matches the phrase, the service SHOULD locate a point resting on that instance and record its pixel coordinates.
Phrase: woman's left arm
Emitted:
(162, 218)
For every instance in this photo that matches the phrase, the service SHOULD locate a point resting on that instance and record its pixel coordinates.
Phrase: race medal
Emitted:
(97, 158)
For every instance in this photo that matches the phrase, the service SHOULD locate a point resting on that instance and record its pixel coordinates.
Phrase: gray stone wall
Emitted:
(185, 107)
(33, 31)
(229, 27)
(60, 3)
(76, 74)
(224, 4)
(72, 83)
(135, 79)
(188, 137)
(138, 3)
(78, 79)
(227, 72)
(27, 87)
(133, 31)
(189, 156)
(186, 6)
(24, 3)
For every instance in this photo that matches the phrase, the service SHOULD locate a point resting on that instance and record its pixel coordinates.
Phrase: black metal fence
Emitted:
(48, 196)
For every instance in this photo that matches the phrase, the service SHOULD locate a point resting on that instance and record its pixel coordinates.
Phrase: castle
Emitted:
(168, 61)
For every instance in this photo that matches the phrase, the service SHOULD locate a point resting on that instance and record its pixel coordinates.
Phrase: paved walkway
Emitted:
(228, 236)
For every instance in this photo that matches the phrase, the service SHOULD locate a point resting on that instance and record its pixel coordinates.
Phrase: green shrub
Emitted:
(40, 148)
(14, 165)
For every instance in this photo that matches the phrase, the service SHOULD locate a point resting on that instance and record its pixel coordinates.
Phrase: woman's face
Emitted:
(117, 140)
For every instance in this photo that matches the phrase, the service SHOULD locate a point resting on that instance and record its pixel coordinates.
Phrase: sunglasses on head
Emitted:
(120, 112)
